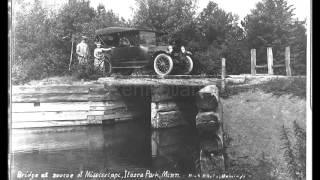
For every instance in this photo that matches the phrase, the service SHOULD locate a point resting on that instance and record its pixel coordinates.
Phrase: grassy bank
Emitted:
(293, 86)
(254, 117)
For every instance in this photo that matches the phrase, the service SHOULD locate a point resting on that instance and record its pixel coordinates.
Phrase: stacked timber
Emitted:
(67, 105)
(172, 106)
(209, 126)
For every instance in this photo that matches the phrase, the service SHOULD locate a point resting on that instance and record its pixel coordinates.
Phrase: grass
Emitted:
(295, 86)
(254, 115)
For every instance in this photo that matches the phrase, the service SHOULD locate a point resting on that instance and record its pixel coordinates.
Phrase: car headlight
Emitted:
(170, 49)
(183, 49)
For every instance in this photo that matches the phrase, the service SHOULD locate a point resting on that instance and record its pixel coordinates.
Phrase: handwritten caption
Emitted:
(126, 174)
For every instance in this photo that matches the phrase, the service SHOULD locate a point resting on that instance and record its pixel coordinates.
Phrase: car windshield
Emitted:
(147, 38)
(130, 38)
(107, 40)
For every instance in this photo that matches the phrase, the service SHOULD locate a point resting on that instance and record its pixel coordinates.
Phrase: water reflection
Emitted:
(175, 149)
(121, 146)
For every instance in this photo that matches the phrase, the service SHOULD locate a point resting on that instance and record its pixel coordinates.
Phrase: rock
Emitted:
(172, 106)
(165, 106)
(167, 119)
(211, 163)
(207, 98)
(207, 119)
(211, 145)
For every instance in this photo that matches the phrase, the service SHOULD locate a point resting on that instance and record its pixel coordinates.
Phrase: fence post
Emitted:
(270, 60)
(253, 62)
(223, 74)
(287, 60)
(72, 40)
(223, 68)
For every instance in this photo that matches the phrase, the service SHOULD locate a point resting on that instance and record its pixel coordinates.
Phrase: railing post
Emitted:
(223, 74)
(253, 62)
(287, 60)
(223, 68)
(270, 60)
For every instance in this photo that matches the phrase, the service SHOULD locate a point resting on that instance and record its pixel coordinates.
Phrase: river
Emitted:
(130, 146)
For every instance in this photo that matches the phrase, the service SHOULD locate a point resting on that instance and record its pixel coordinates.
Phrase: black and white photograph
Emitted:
(160, 89)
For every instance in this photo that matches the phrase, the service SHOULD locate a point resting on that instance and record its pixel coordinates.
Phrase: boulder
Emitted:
(207, 98)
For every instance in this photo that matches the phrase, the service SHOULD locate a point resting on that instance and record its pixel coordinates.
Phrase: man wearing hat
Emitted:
(83, 55)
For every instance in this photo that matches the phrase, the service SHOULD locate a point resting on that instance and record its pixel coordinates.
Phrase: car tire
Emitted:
(189, 65)
(163, 64)
(107, 67)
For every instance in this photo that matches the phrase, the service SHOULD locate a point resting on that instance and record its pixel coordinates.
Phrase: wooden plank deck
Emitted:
(173, 80)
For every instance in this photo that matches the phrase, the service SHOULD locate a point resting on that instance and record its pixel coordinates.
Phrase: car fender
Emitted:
(155, 54)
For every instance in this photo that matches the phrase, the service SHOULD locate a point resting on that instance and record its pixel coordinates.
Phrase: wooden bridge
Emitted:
(164, 101)
(105, 101)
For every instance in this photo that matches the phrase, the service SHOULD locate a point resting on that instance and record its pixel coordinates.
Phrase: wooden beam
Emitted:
(107, 108)
(41, 124)
(72, 40)
(278, 66)
(287, 61)
(47, 107)
(114, 116)
(253, 62)
(63, 97)
(147, 82)
(48, 116)
(52, 97)
(80, 115)
(69, 106)
(92, 119)
(262, 66)
(55, 89)
(223, 68)
(270, 60)
(299, 65)
(164, 77)
(223, 74)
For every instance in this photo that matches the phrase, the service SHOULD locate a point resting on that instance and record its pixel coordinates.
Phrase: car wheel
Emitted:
(188, 65)
(107, 67)
(163, 64)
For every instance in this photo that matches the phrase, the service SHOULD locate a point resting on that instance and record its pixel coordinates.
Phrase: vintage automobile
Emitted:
(132, 48)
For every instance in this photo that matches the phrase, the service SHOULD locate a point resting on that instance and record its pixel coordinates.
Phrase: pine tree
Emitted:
(272, 24)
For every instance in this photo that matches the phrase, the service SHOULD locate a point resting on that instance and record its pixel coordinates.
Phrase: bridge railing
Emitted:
(270, 66)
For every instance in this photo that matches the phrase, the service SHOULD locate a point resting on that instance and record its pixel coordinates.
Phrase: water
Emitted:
(119, 147)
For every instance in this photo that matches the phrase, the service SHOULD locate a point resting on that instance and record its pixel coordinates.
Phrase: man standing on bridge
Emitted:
(83, 56)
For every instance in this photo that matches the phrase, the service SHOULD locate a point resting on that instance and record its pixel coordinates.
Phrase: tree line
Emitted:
(42, 37)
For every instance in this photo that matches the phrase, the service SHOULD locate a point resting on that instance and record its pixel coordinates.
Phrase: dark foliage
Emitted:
(42, 38)
(271, 24)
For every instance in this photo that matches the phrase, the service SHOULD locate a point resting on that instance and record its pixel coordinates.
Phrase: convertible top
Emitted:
(111, 30)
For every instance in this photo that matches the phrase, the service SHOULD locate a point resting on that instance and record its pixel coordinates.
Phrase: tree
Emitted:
(271, 24)
(42, 39)
(108, 18)
(74, 19)
(219, 35)
(169, 16)
(32, 44)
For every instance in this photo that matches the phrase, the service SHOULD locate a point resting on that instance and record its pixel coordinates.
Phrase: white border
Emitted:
(309, 96)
